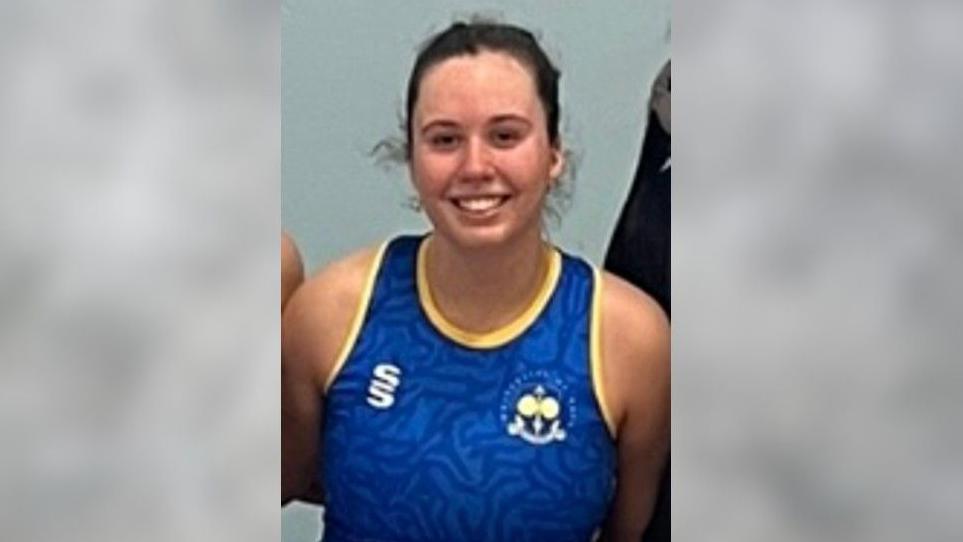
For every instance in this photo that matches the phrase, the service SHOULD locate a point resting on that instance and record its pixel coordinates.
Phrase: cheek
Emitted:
(534, 169)
(426, 175)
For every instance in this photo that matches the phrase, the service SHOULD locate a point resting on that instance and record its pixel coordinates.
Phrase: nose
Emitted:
(477, 164)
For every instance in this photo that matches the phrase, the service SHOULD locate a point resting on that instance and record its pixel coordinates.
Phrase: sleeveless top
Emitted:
(432, 433)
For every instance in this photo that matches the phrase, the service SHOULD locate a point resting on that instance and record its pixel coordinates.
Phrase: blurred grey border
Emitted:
(139, 217)
(817, 235)
(817, 249)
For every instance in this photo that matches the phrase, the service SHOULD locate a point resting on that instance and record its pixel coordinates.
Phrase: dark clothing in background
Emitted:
(640, 249)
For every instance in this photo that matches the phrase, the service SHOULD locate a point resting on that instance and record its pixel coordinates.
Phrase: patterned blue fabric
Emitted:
(429, 440)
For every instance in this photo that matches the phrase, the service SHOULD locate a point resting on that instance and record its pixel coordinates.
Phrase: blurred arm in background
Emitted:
(292, 268)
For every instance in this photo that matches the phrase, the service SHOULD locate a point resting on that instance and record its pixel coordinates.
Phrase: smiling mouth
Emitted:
(479, 204)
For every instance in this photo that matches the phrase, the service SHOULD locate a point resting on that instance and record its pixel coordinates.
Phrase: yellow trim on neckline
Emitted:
(491, 339)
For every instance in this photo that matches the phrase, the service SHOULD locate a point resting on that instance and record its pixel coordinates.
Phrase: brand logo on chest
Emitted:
(385, 379)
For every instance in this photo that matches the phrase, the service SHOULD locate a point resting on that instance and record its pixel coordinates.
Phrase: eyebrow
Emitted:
(510, 118)
(440, 123)
(445, 123)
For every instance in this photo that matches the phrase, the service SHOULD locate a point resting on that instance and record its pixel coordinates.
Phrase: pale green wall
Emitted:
(344, 69)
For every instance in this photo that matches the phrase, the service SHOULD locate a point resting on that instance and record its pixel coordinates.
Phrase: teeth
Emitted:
(479, 204)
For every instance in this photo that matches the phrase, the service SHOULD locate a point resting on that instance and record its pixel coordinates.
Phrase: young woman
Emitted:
(476, 383)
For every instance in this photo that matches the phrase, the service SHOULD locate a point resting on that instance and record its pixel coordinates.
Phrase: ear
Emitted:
(557, 164)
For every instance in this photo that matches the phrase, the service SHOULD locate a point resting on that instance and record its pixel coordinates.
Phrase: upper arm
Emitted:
(314, 326)
(301, 358)
(635, 345)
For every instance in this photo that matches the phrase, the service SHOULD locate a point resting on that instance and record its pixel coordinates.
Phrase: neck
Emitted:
(481, 290)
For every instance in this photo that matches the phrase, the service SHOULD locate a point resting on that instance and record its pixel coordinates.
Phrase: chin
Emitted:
(477, 237)
(484, 232)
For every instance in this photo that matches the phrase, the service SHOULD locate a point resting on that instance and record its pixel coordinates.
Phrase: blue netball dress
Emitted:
(431, 433)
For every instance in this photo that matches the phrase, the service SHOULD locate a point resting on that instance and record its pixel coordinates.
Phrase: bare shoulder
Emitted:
(342, 280)
(318, 318)
(635, 347)
(632, 313)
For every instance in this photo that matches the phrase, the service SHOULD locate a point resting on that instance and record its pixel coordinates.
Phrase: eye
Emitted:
(505, 137)
(443, 141)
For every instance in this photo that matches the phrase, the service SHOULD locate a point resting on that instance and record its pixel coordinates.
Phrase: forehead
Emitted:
(486, 83)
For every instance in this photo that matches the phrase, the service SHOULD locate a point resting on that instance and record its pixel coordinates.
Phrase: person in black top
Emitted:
(640, 248)
(639, 251)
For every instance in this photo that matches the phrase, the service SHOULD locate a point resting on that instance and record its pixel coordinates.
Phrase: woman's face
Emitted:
(481, 160)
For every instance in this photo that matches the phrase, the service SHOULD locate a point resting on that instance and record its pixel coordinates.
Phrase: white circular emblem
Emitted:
(537, 409)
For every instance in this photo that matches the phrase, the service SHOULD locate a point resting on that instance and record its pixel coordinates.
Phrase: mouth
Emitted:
(479, 204)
